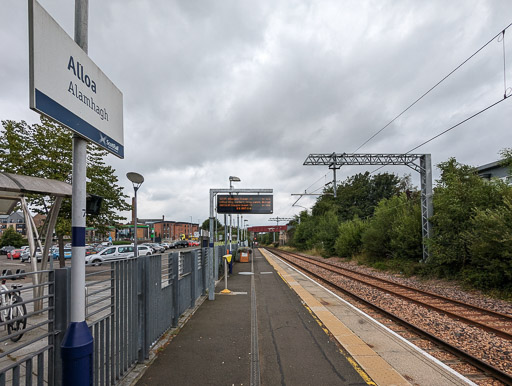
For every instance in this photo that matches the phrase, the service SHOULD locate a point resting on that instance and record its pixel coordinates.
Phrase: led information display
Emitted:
(247, 203)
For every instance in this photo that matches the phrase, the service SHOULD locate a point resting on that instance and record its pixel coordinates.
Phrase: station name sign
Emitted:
(68, 87)
(247, 203)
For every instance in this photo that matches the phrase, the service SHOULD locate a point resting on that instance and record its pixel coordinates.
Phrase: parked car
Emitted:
(156, 247)
(181, 244)
(15, 254)
(165, 245)
(67, 253)
(110, 253)
(144, 250)
(5, 250)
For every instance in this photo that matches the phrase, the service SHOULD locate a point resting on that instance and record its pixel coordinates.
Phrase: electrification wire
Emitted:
(458, 124)
(506, 96)
(315, 182)
(433, 87)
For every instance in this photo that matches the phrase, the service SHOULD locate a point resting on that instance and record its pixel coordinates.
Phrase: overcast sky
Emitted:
(250, 88)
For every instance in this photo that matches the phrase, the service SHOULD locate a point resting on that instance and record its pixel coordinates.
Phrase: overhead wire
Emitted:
(506, 94)
(452, 127)
(433, 87)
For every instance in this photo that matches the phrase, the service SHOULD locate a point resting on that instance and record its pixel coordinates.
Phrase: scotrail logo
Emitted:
(111, 145)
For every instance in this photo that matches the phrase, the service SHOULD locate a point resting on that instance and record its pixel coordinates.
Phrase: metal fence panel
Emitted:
(129, 305)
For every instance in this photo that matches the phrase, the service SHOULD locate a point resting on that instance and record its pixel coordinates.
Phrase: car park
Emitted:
(115, 252)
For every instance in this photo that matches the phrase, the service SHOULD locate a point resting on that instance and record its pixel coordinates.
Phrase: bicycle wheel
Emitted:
(18, 311)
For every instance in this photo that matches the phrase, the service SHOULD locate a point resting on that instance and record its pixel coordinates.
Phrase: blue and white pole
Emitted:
(77, 346)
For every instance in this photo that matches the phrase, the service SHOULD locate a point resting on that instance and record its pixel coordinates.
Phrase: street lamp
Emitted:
(137, 181)
(231, 180)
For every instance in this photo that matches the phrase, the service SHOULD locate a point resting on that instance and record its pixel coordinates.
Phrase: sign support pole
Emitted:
(77, 345)
(211, 251)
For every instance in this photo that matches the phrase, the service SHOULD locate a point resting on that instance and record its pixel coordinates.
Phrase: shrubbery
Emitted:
(472, 226)
(349, 241)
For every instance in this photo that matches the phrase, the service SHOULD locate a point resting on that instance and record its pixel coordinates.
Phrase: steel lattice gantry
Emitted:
(424, 167)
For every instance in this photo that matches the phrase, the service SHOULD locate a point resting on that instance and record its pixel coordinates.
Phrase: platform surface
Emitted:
(260, 334)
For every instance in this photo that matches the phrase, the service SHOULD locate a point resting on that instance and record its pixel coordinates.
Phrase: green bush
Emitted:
(490, 247)
(349, 241)
(459, 196)
(121, 242)
(326, 233)
(13, 238)
(394, 231)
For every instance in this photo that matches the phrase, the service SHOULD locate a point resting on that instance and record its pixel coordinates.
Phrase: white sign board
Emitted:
(68, 87)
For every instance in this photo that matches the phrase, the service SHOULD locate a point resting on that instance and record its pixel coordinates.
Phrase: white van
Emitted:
(115, 252)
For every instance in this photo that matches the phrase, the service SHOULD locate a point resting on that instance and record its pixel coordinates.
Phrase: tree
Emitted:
(394, 232)
(490, 245)
(206, 225)
(460, 193)
(45, 150)
(357, 196)
(11, 237)
(349, 241)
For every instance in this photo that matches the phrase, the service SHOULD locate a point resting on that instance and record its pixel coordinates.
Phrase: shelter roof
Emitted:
(14, 186)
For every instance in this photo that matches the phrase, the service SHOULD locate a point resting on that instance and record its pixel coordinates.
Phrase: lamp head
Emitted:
(136, 179)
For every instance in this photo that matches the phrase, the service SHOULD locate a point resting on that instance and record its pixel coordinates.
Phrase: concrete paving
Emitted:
(261, 333)
(386, 357)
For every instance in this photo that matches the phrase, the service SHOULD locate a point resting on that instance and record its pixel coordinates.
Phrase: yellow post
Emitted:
(227, 259)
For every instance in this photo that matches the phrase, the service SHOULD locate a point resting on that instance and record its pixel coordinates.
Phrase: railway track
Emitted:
(497, 323)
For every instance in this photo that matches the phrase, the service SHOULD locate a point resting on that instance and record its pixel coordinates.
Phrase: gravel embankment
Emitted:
(483, 345)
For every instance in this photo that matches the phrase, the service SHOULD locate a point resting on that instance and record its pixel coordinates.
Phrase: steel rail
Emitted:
(483, 366)
(445, 308)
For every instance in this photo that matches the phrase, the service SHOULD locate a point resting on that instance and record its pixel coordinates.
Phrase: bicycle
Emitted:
(12, 310)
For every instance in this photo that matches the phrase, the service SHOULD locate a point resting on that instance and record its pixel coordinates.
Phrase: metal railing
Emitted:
(27, 356)
(130, 304)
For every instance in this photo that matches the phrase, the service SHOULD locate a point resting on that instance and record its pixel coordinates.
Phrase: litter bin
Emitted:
(244, 256)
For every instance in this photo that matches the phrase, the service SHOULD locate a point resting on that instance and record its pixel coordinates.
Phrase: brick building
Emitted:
(161, 229)
(14, 220)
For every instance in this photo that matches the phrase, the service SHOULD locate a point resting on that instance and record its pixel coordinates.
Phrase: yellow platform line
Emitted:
(370, 365)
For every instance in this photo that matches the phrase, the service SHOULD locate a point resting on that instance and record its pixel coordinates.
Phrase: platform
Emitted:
(279, 327)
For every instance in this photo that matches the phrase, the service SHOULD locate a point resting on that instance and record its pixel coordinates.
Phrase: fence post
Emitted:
(61, 317)
(142, 308)
(204, 269)
(193, 280)
(216, 262)
(175, 289)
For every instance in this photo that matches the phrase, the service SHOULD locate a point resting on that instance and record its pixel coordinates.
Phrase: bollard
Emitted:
(76, 353)
(227, 258)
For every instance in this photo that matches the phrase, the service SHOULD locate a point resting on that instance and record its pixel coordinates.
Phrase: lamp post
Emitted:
(231, 180)
(136, 180)
(245, 231)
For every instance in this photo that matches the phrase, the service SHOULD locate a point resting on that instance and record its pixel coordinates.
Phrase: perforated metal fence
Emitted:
(130, 304)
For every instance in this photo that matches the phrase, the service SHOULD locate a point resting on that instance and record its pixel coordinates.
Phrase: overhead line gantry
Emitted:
(424, 167)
